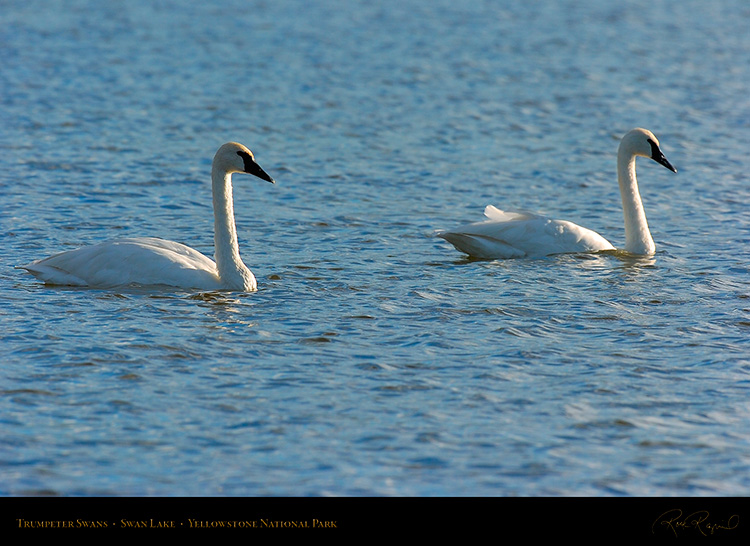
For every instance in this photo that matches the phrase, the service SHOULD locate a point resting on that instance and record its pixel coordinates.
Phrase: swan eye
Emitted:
(655, 151)
(247, 159)
(251, 167)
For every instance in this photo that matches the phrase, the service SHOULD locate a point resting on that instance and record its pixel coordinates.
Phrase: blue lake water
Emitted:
(375, 359)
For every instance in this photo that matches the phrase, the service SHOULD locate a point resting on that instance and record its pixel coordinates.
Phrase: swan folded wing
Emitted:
(521, 234)
(491, 239)
(175, 252)
(569, 237)
(144, 261)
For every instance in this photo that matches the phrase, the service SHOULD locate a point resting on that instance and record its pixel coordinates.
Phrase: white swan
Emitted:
(518, 234)
(148, 261)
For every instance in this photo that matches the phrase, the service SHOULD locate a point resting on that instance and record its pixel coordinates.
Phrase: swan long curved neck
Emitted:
(638, 238)
(226, 246)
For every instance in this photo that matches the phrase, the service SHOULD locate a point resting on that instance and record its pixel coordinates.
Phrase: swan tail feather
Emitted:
(481, 246)
(52, 275)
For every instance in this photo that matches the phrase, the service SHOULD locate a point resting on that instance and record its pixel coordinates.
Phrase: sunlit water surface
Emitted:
(375, 359)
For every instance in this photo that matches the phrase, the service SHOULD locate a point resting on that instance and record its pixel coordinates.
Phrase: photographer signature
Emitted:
(697, 521)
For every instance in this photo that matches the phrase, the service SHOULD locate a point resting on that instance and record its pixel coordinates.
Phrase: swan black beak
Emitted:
(664, 161)
(251, 167)
(658, 156)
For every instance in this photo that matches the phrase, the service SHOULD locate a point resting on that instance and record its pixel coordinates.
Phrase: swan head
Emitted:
(233, 157)
(643, 142)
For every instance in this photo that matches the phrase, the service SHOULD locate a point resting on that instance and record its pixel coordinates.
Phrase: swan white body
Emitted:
(519, 234)
(148, 261)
